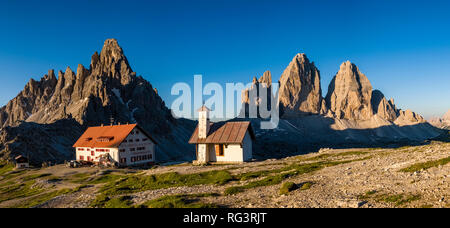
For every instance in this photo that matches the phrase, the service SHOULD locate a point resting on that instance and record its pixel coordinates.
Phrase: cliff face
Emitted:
(441, 122)
(91, 96)
(300, 91)
(382, 107)
(259, 95)
(108, 90)
(350, 93)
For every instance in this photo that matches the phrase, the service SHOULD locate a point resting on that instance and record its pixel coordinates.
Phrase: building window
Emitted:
(137, 132)
(81, 158)
(105, 139)
(130, 140)
(92, 153)
(137, 140)
(140, 148)
(219, 150)
(80, 149)
(122, 150)
(132, 149)
(150, 156)
(143, 140)
(123, 160)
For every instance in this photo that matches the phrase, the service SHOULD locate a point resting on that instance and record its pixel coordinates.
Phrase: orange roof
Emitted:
(224, 133)
(107, 136)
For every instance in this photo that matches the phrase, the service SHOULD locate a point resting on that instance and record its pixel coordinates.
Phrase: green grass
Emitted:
(233, 190)
(306, 186)
(174, 201)
(178, 201)
(337, 155)
(426, 165)
(12, 174)
(396, 199)
(19, 191)
(399, 199)
(100, 201)
(253, 175)
(5, 168)
(119, 202)
(35, 176)
(107, 178)
(79, 178)
(138, 183)
(7, 183)
(42, 198)
(288, 187)
(367, 195)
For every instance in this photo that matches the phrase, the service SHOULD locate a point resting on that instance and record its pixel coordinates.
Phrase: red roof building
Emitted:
(124, 145)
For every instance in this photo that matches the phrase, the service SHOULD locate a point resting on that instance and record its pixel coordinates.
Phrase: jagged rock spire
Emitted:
(350, 93)
(112, 62)
(264, 82)
(300, 90)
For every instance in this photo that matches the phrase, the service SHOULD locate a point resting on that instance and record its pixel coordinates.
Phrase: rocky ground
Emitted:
(417, 176)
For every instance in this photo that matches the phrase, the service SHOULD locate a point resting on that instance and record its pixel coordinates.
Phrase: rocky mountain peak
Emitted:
(382, 107)
(90, 97)
(112, 63)
(51, 76)
(94, 60)
(300, 90)
(111, 51)
(251, 97)
(441, 122)
(266, 79)
(446, 116)
(350, 93)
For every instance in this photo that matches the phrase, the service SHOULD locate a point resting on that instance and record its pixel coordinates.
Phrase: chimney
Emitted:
(203, 122)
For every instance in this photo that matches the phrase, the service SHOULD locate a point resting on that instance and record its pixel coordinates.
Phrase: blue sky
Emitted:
(402, 46)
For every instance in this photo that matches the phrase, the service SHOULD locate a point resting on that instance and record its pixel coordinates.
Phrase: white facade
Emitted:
(232, 153)
(22, 165)
(93, 154)
(203, 123)
(136, 149)
(237, 150)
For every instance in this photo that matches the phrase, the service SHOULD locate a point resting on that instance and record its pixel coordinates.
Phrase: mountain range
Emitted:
(352, 114)
(47, 116)
(441, 122)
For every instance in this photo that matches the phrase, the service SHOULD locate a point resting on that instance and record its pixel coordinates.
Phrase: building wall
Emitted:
(248, 147)
(129, 152)
(92, 154)
(22, 165)
(233, 152)
(202, 153)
